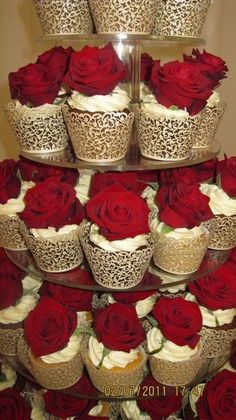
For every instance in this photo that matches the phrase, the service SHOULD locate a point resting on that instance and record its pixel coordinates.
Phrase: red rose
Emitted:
(52, 203)
(173, 176)
(9, 181)
(11, 288)
(146, 67)
(213, 66)
(119, 213)
(180, 84)
(232, 256)
(13, 406)
(57, 61)
(217, 290)
(49, 327)
(38, 172)
(33, 84)
(166, 402)
(117, 326)
(77, 299)
(183, 205)
(218, 401)
(8, 268)
(206, 171)
(132, 297)
(95, 71)
(180, 321)
(227, 175)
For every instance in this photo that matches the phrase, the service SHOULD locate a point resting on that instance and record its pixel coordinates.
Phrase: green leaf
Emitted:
(105, 353)
(152, 321)
(166, 229)
(163, 340)
(3, 377)
(174, 108)
(85, 330)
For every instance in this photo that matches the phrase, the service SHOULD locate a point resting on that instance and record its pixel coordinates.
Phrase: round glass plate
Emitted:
(82, 278)
(132, 162)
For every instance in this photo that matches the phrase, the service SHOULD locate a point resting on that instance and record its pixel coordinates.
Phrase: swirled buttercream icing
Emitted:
(18, 312)
(143, 307)
(9, 377)
(42, 110)
(169, 350)
(149, 195)
(181, 233)
(83, 185)
(114, 359)
(152, 107)
(214, 100)
(215, 318)
(117, 100)
(128, 244)
(220, 202)
(194, 396)
(132, 411)
(96, 410)
(31, 284)
(51, 232)
(16, 205)
(143, 90)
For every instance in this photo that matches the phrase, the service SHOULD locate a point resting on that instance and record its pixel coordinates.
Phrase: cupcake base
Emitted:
(222, 232)
(10, 235)
(10, 334)
(218, 340)
(211, 118)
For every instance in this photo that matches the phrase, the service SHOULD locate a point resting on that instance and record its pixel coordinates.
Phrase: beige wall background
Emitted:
(19, 29)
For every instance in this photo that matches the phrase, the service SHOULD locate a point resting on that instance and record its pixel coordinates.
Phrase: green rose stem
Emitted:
(85, 330)
(105, 352)
(163, 340)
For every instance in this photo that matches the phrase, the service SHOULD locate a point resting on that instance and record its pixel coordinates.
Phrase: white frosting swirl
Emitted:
(214, 100)
(31, 284)
(149, 195)
(182, 233)
(117, 100)
(10, 377)
(214, 318)
(16, 205)
(194, 396)
(51, 232)
(83, 185)
(114, 359)
(132, 411)
(170, 350)
(128, 244)
(143, 90)
(152, 107)
(143, 307)
(96, 410)
(220, 202)
(18, 312)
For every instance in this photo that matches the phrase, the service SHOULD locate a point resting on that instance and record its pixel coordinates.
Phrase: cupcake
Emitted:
(12, 195)
(116, 362)
(164, 401)
(116, 237)
(50, 225)
(18, 297)
(143, 301)
(216, 296)
(223, 205)
(97, 114)
(174, 345)
(35, 116)
(50, 349)
(181, 240)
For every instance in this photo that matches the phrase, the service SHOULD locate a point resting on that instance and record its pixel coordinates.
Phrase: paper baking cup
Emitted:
(57, 254)
(218, 340)
(182, 17)
(99, 136)
(50, 375)
(177, 373)
(64, 16)
(223, 234)
(41, 129)
(10, 235)
(117, 381)
(121, 269)
(163, 138)
(180, 256)
(211, 118)
(9, 336)
(112, 16)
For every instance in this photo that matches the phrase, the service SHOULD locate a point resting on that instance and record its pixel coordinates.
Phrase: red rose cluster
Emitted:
(10, 183)
(11, 288)
(227, 175)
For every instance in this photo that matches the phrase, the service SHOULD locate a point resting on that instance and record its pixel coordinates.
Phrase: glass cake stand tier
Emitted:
(150, 40)
(132, 162)
(81, 277)
(210, 367)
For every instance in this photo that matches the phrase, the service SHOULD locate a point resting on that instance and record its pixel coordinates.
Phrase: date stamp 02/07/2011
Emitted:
(150, 391)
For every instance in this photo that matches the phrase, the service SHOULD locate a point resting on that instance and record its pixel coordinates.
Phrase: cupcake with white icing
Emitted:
(116, 238)
(115, 362)
(174, 346)
(143, 301)
(52, 343)
(98, 113)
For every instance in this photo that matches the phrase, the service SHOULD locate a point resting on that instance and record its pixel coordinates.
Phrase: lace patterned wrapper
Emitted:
(177, 373)
(57, 254)
(211, 118)
(223, 235)
(38, 130)
(180, 256)
(53, 375)
(128, 16)
(99, 136)
(10, 235)
(9, 336)
(163, 138)
(218, 340)
(64, 17)
(121, 269)
(182, 17)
